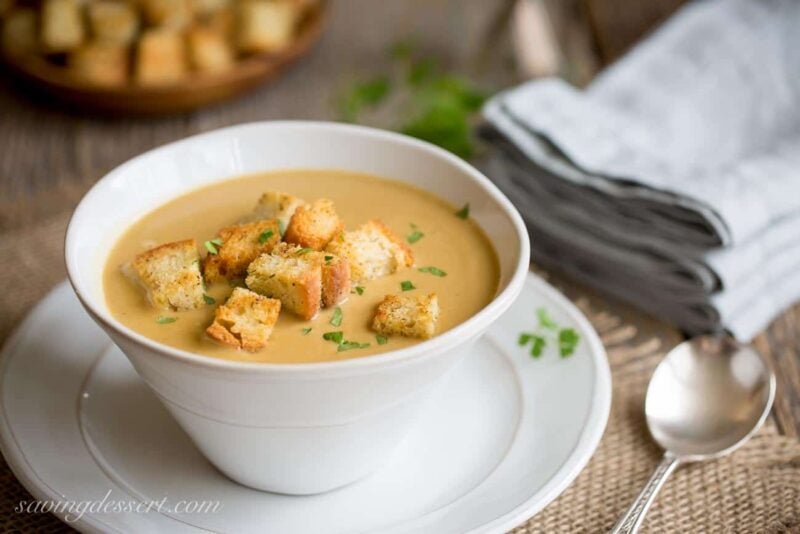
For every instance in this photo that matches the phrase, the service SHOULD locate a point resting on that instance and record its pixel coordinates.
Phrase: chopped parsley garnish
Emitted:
(358, 289)
(209, 299)
(304, 250)
(382, 340)
(212, 244)
(306, 331)
(349, 345)
(435, 271)
(414, 236)
(406, 285)
(265, 235)
(163, 319)
(547, 332)
(336, 320)
(336, 337)
(328, 259)
(463, 213)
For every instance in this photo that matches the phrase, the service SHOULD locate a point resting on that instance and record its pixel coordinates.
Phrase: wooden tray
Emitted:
(196, 91)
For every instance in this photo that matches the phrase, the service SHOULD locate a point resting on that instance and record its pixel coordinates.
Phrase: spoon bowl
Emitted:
(705, 399)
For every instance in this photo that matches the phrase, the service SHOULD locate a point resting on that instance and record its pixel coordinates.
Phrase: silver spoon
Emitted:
(705, 399)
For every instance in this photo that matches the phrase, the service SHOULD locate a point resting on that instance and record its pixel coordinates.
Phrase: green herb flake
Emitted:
(349, 345)
(336, 337)
(463, 213)
(209, 299)
(545, 320)
(163, 319)
(406, 285)
(362, 95)
(306, 331)
(568, 339)
(304, 250)
(358, 290)
(435, 271)
(212, 244)
(539, 344)
(328, 260)
(382, 340)
(281, 227)
(414, 236)
(265, 235)
(524, 339)
(336, 320)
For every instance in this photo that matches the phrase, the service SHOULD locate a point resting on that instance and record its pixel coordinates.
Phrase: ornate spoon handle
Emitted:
(630, 522)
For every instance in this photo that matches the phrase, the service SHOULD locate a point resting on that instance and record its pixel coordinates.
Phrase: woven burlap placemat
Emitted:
(757, 489)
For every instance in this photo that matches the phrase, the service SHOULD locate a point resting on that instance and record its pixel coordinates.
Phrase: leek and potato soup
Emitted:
(300, 266)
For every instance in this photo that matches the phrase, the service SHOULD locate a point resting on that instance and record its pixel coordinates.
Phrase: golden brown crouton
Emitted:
(313, 225)
(241, 244)
(245, 320)
(265, 25)
(19, 33)
(100, 64)
(372, 250)
(62, 25)
(113, 22)
(408, 315)
(161, 58)
(172, 14)
(335, 272)
(209, 50)
(275, 205)
(171, 275)
(294, 279)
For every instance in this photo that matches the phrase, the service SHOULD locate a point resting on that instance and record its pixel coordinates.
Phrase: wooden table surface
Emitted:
(51, 155)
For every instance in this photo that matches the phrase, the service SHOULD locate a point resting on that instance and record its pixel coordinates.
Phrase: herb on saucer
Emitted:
(547, 332)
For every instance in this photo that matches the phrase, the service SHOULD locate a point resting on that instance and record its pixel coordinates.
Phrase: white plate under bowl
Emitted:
(502, 437)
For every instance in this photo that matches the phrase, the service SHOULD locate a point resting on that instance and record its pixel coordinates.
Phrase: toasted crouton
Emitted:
(408, 315)
(19, 33)
(335, 272)
(113, 22)
(161, 58)
(274, 205)
(314, 225)
(372, 250)
(241, 244)
(172, 14)
(265, 25)
(245, 320)
(171, 275)
(293, 279)
(209, 50)
(62, 25)
(100, 64)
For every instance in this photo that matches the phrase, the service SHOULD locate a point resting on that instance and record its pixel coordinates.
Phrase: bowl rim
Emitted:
(444, 341)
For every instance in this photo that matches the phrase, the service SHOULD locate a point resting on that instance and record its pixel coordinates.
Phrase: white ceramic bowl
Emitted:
(303, 428)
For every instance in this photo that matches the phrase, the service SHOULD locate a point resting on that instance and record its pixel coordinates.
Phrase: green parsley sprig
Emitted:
(548, 331)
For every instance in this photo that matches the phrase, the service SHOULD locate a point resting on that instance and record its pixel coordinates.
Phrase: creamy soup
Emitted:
(441, 239)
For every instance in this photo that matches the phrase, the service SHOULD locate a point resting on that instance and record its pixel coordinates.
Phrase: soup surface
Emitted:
(450, 243)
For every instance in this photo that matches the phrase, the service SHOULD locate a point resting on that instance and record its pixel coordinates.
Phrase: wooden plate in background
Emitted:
(196, 91)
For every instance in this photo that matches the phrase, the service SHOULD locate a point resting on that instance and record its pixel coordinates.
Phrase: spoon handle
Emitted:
(632, 520)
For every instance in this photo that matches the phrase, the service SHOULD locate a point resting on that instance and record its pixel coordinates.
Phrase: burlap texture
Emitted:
(757, 489)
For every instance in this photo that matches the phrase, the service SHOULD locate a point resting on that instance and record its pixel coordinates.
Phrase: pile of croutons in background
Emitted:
(147, 42)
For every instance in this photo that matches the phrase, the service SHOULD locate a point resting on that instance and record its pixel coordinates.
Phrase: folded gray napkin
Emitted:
(673, 180)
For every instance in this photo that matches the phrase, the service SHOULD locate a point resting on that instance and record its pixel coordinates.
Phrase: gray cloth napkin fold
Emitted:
(673, 180)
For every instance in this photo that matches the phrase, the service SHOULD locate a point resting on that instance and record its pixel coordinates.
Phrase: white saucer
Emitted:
(502, 438)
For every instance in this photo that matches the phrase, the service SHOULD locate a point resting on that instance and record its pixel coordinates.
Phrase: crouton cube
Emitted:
(241, 244)
(274, 205)
(20, 36)
(265, 25)
(100, 64)
(113, 22)
(295, 280)
(209, 51)
(172, 14)
(245, 321)
(62, 25)
(161, 58)
(171, 276)
(313, 225)
(372, 250)
(335, 272)
(408, 316)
